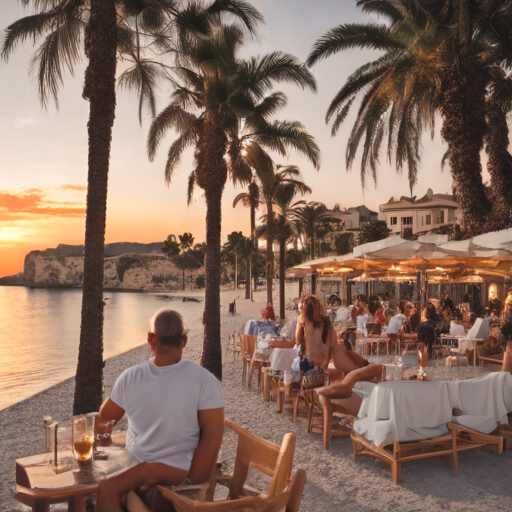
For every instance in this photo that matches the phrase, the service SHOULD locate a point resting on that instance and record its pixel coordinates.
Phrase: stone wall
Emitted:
(128, 272)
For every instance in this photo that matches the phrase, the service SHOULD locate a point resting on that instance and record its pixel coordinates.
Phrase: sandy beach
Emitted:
(334, 481)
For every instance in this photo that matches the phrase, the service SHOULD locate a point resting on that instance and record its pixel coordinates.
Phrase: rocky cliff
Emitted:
(127, 272)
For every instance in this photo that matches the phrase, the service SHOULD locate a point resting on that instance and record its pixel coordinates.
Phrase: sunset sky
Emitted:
(43, 154)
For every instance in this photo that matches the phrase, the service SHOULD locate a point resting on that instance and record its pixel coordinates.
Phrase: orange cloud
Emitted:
(77, 188)
(33, 202)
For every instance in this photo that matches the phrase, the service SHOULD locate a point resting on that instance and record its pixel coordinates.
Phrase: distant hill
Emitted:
(111, 250)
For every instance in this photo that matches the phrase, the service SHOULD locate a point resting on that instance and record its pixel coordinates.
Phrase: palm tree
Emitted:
(213, 90)
(270, 184)
(106, 27)
(437, 58)
(234, 245)
(250, 199)
(186, 241)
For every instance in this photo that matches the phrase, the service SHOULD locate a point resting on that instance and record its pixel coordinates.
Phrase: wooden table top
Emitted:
(36, 472)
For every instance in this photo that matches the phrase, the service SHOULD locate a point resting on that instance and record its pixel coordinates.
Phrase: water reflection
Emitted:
(40, 329)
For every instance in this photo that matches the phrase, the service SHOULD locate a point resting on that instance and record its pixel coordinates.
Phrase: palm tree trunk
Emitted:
(236, 272)
(499, 166)
(313, 246)
(212, 174)
(282, 272)
(255, 243)
(99, 89)
(248, 278)
(270, 251)
(183, 279)
(463, 112)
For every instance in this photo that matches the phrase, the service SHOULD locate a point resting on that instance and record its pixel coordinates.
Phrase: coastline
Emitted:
(334, 481)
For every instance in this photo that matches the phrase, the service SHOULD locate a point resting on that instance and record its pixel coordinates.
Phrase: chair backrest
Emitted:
(252, 451)
(288, 500)
(248, 344)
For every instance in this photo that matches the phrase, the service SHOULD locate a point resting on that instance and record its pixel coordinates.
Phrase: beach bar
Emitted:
(420, 270)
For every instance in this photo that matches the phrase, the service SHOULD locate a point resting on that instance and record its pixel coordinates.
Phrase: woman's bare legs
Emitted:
(507, 359)
(111, 490)
(343, 389)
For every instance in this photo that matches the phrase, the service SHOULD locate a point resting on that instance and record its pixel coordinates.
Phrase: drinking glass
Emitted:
(83, 438)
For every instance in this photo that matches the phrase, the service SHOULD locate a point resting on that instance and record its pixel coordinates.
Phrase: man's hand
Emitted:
(109, 411)
(211, 424)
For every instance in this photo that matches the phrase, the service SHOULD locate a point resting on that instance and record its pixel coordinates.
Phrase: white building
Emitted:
(356, 216)
(409, 216)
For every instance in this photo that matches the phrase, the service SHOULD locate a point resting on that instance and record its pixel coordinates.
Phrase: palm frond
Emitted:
(190, 187)
(258, 73)
(61, 47)
(186, 139)
(280, 135)
(174, 117)
(370, 36)
(242, 11)
(142, 78)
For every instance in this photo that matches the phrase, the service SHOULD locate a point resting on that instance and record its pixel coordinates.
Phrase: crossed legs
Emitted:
(111, 490)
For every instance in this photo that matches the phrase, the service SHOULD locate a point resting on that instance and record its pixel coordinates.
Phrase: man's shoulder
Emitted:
(134, 370)
(194, 369)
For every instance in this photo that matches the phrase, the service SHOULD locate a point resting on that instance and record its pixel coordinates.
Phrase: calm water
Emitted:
(40, 330)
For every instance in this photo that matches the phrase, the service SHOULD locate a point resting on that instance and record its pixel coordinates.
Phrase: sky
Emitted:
(43, 153)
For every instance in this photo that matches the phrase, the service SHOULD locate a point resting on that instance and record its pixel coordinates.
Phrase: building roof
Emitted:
(428, 200)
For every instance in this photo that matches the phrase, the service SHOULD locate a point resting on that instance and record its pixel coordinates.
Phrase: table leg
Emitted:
(76, 504)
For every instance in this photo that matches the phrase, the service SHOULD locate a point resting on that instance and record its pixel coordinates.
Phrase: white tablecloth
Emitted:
(409, 411)
(282, 358)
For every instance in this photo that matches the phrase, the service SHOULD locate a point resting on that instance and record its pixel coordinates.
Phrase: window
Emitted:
(422, 220)
(406, 221)
(440, 217)
(393, 221)
(428, 219)
(451, 215)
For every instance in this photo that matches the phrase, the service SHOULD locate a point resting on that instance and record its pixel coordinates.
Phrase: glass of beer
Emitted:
(83, 438)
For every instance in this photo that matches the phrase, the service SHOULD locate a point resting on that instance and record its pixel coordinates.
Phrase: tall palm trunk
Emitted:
(499, 166)
(183, 279)
(212, 174)
(235, 284)
(282, 272)
(248, 277)
(313, 245)
(254, 240)
(463, 112)
(270, 250)
(99, 89)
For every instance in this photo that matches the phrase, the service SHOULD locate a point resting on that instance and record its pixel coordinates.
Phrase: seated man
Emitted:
(175, 410)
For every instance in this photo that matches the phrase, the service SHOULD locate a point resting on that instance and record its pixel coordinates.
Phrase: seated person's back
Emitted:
(175, 411)
(161, 405)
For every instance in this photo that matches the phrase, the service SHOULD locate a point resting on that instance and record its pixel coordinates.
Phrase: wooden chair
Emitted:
(252, 451)
(250, 362)
(327, 411)
(288, 500)
(272, 381)
(458, 439)
(234, 345)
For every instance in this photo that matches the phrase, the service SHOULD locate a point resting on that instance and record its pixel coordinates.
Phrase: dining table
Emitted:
(40, 483)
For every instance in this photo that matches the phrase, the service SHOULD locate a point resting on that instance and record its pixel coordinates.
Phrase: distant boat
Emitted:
(191, 299)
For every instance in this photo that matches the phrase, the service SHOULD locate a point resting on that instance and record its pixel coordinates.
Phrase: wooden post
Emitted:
(314, 280)
(301, 286)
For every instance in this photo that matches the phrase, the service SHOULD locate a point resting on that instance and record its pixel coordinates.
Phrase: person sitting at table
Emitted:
(175, 411)
(414, 319)
(396, 323)
(492, 347)
(457, 325)
(318, 337)
(378, 315)
(264, 326)
(343, 313)
(427, 331)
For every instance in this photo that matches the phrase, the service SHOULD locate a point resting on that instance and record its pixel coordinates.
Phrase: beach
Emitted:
(334, 481)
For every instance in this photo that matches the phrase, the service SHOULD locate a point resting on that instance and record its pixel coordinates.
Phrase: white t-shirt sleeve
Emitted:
(119, 391)
(210, 393)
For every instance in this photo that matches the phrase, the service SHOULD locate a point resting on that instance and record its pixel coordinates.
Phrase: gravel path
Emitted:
(335, 483)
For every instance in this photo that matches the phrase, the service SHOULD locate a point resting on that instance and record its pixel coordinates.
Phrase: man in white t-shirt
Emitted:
(175, 411)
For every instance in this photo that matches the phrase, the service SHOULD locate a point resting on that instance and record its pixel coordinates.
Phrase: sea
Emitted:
(40, 332)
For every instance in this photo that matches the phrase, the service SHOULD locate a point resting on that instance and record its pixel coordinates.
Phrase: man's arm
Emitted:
(211, 425)
(109, 411)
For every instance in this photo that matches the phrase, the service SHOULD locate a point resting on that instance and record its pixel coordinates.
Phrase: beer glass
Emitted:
(83, 438)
